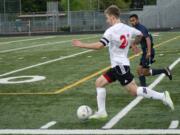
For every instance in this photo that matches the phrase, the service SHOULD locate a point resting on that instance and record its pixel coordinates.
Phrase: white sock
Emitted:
(101, 99)
(148, 93)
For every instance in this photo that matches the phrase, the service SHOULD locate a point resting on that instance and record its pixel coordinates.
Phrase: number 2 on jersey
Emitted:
(124, 42)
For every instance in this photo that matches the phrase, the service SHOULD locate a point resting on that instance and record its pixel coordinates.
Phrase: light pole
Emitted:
(20, 6)
(4, 10)
(68, 12)
(98, 5)
(4, 6)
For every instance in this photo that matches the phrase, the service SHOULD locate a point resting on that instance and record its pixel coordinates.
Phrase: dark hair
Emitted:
(113, 10)
(134, 15)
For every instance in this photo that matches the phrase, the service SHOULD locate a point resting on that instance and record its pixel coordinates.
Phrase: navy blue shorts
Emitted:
(145, 63)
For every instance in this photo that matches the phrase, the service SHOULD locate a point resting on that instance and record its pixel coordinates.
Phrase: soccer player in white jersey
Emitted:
(118, 39)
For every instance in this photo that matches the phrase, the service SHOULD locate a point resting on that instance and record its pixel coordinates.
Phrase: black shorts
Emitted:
(120, 73)
(145, 63)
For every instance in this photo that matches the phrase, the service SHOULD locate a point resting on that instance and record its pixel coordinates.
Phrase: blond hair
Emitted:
(113, 10)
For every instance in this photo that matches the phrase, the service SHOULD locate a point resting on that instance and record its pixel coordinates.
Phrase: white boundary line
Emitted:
(4, 43)
(133, 103)
(44, 63)
(49, 124)
(34, 46)
(174, 124)
(89, 131)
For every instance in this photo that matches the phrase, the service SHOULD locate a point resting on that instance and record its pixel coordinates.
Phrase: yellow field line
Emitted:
(86, 78)
(26, 93)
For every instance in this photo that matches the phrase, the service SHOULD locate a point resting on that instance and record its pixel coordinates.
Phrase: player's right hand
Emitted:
(76, 43)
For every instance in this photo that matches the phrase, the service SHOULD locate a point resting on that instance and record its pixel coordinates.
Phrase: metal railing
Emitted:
(77, 21)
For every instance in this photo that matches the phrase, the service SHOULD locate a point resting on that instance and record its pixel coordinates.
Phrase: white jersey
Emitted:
(118, 38)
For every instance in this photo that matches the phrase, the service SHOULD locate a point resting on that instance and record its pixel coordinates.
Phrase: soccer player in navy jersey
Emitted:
(148, 53)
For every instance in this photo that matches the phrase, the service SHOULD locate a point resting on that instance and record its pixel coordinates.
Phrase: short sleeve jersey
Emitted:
(118, 39)
(146, 34)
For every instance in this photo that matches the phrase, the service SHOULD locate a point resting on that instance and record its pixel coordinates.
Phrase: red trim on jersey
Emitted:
(107, 78)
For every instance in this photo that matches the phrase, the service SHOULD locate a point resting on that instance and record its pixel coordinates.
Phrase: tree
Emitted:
(76, 5)
(122, 4)
(34, 5)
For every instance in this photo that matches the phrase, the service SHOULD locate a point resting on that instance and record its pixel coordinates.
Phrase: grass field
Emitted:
(70, 77)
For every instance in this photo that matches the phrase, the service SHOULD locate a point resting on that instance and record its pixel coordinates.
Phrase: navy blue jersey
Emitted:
(146, 34)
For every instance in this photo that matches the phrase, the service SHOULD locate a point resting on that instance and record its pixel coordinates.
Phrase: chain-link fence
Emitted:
(59, 22)
(85, 21)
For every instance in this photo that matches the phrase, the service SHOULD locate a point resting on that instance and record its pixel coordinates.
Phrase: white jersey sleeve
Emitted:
(106, 38)
(135, 32)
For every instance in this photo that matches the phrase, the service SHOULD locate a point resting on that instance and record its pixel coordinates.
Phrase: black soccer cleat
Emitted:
(168, 73)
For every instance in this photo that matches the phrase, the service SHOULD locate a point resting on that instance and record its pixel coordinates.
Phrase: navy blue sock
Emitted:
(142, 80)
(158, 71)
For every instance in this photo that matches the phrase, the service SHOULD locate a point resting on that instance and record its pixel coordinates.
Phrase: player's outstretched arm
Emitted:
(96, 45)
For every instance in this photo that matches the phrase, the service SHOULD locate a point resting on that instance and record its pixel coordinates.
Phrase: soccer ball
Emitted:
(83, 112)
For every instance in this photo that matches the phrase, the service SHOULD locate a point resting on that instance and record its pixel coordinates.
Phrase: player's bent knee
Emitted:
(98, 83)
(101, 82)
(146, 71)
(132, 88)
(133, 93)
(139, 71)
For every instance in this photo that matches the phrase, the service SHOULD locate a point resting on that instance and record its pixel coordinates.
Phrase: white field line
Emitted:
(27, 38)
(44, 63)
(133, 103)
(4, 43)
(34, 46)
(48, 125)
(89, 131)
(174, 124)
